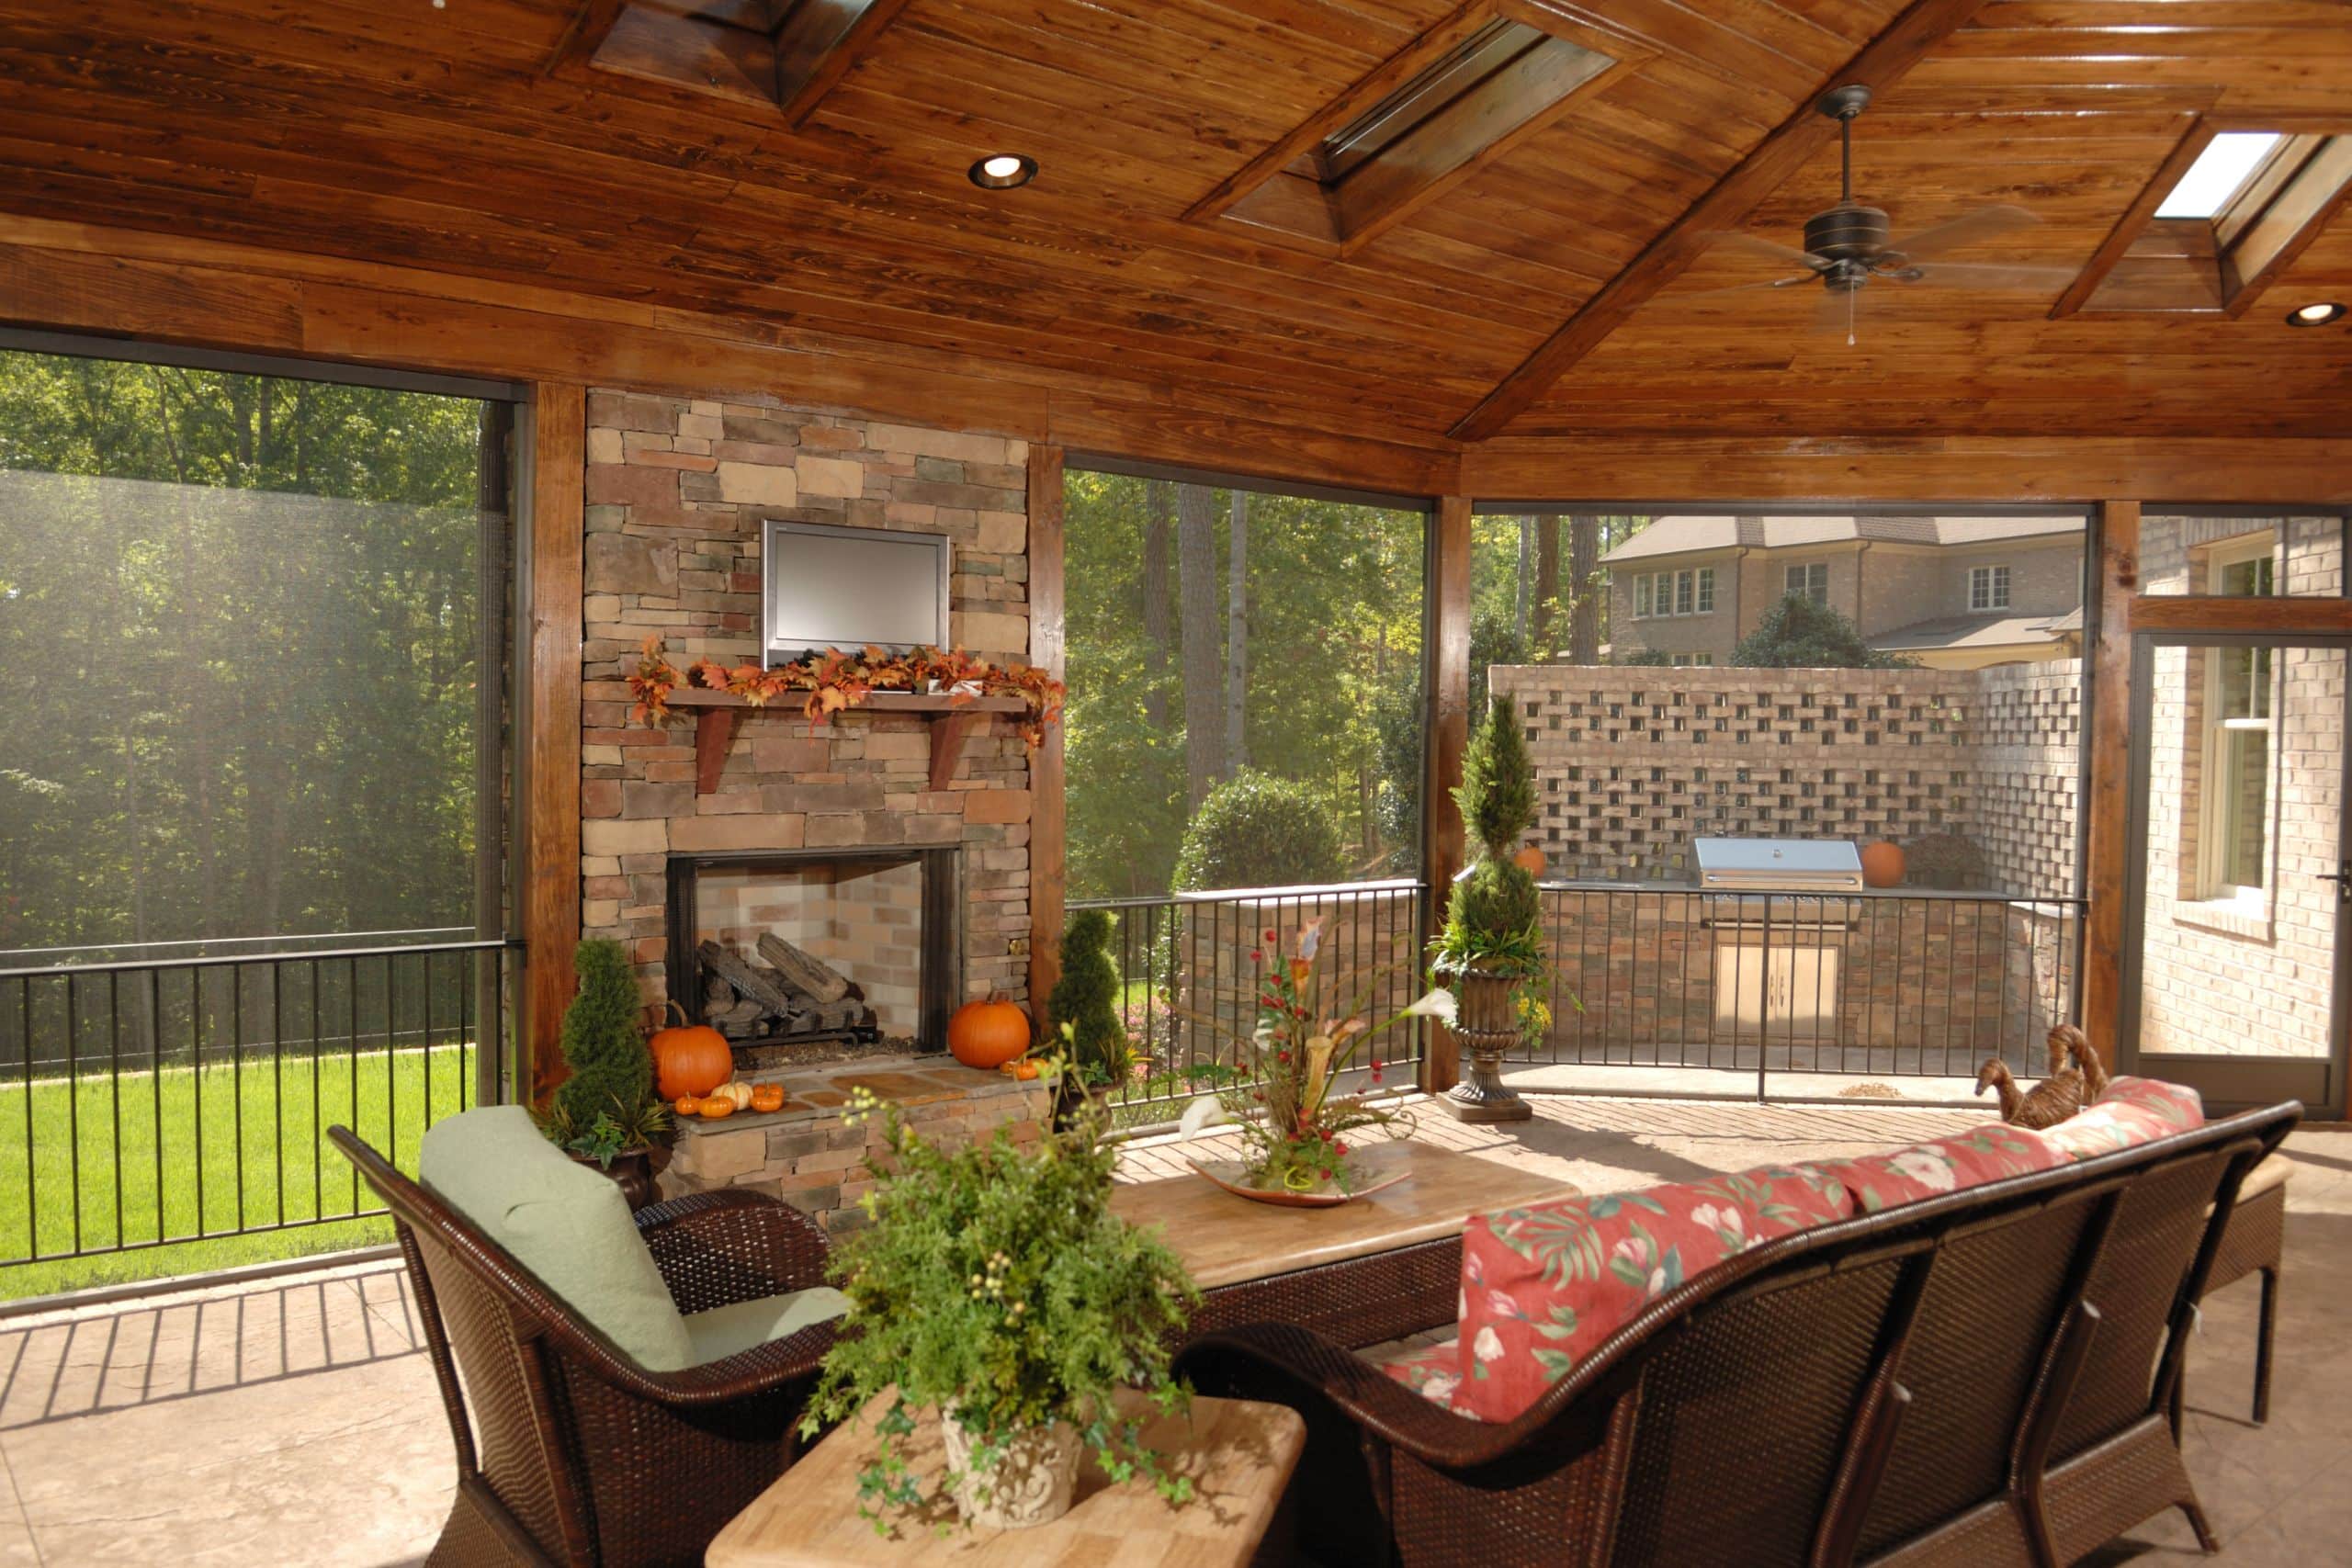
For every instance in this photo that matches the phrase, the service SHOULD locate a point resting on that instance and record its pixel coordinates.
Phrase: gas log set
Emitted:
(786, 993)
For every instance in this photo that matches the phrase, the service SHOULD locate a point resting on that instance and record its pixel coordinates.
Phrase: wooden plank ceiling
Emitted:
(474, 139)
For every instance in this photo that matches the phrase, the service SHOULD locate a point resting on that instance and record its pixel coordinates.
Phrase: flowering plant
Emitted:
(832, 681)
(1301, 1045)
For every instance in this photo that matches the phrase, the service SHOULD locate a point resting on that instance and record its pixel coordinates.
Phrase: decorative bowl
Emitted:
(1227, 1174)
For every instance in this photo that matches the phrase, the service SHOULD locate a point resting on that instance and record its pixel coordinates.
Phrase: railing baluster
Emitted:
(114, 1091)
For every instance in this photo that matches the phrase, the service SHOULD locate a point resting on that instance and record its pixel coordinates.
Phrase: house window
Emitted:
(1641, 596)
(1694, 660)
(1685, 592)
(2248, 570)
(2236, 788)
(1989, 587)
(1685, 599)
(1812, 581)
(1706, 591)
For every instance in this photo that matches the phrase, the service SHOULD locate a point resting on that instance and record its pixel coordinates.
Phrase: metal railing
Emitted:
(1902, 983)
(1187, 979)
(148, 1103)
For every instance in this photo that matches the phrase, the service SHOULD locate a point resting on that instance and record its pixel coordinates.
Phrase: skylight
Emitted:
(2220, 171)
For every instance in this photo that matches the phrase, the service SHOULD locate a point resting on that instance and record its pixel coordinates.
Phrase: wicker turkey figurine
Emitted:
(2077, 1079)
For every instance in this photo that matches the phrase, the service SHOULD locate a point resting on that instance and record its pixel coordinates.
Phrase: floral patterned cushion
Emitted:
(1949, 1164)
(1544, 1286)
(1434, 1371)
(2109, 1125)
(2177, 1103)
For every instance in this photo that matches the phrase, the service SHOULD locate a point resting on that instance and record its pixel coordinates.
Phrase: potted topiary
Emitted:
(1491, 949)
(605, 1114)
(1084, 1009)
(994, 1292)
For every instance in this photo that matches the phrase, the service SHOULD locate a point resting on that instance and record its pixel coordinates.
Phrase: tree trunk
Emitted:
(1237, 634)
(1196, 579)
(1159, 634)
(1526, 559)
(1584, 573)
(1547, 588)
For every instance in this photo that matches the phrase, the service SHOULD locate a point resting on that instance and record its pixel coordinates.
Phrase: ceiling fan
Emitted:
(1850, 245)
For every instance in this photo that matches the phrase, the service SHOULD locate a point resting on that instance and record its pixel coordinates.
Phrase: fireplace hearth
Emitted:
(789, 952)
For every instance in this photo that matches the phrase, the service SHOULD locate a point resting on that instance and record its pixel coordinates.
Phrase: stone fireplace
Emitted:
(816, 947)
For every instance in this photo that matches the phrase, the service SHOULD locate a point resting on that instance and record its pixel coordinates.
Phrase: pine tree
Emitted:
(611, 1071)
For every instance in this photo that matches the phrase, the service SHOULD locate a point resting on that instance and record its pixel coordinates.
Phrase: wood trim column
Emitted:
(2108, 847)
(1445, 730)
(552, 747)
(1048, 817)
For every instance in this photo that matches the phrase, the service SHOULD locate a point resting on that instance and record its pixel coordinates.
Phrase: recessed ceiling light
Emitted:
(1003, 170)
(2317, 314)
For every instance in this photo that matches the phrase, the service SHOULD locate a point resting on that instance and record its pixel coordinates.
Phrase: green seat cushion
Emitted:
(565, 1222)
(740, 1326)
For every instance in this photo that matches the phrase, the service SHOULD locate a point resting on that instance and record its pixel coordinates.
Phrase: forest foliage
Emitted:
(242, 616)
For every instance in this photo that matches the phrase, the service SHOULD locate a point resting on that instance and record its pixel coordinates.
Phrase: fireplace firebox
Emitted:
(816, 947)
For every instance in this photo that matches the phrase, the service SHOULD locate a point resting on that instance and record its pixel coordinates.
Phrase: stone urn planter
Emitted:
(1487, 1025)
(1032, 1481)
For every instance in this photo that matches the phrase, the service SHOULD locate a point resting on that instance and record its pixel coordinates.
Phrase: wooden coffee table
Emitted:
(1239, 1454)
(1363, 1273)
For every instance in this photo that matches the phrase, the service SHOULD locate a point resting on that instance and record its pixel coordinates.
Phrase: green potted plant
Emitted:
(994, 1292)
(1491, 948)
(605, 1114)
(1084, 1008)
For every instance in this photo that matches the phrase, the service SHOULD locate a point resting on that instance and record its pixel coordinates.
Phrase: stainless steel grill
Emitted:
(1780, 923)
(1778, 865)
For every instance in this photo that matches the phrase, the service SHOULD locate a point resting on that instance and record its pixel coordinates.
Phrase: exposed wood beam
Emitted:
(1049, 809)
(2280, 617)
(1879, 64)
(1445, 686)
(2107, 843)
(2134, 220)
(551, 739)
(818, 44)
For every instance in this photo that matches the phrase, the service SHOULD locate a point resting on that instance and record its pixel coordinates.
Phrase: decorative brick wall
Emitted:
(1632, 763)
(676, 492)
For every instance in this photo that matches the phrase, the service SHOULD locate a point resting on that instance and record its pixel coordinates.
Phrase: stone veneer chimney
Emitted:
(676, 491)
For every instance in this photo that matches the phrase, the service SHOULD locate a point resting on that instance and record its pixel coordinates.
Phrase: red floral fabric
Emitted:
(1544, 1286)
(1950, 1164)
(2107, 1126)
(2179, 1104)
(1434, 1371)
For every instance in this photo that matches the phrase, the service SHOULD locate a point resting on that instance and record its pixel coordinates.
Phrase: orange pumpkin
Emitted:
(687, 1104)
(1883, 864)
(1531, 859)
(717, 1108)
(690, 1058)
(767, 1097)
(986, 1035)
(1023, 1068)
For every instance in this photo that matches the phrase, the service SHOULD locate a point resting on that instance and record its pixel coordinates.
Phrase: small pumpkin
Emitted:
(1021, 1068)
(767, 1097)
(734, 1091)
(1531, 859)
(690, 1058)
(717, 1108)
(687, 1104)
(989, 1033)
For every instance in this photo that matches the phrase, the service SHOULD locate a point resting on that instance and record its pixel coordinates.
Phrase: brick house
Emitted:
(1949, 592)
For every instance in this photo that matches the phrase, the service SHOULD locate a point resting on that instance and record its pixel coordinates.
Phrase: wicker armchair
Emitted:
(573, 1453)
(1979, 1379)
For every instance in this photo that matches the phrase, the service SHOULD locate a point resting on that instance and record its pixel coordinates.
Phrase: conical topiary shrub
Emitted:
(1496, 794)
(611, 1071)
(1491, 949)
(1085, 1000)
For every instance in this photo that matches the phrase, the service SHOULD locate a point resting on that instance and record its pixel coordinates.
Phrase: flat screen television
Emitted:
(827, 587)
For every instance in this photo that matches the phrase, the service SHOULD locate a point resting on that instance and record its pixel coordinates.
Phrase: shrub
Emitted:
(1085, 1000)
(612, 1072)
(1256, 830)
(1799, 633)
(1496, 794)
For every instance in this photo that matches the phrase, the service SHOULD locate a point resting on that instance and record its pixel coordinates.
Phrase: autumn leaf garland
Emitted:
(832, 681)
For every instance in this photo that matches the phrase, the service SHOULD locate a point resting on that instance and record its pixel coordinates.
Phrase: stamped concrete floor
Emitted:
(296, 1422)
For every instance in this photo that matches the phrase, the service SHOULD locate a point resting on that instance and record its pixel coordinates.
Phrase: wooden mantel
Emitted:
(718, 714)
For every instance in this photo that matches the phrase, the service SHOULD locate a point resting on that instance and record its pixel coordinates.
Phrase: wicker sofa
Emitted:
(1981, 1377)
(570, 1451)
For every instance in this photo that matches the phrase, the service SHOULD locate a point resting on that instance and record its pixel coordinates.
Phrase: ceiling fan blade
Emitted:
(1739, 239)
(1977, 275)
(1746, 288)
(1967, 229)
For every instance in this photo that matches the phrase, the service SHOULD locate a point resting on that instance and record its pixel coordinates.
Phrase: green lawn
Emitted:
(177, 1181)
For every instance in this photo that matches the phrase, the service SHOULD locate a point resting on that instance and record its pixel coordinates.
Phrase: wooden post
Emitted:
(551, 746)
(1445, 727)
(2107, 845)
(1048, 845)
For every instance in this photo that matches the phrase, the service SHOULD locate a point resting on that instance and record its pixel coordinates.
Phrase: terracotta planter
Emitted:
(1032, 1482)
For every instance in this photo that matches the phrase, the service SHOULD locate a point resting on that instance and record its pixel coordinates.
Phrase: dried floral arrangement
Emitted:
(830, 682)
